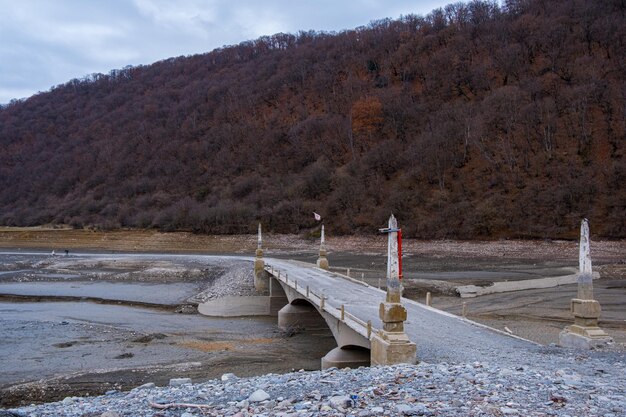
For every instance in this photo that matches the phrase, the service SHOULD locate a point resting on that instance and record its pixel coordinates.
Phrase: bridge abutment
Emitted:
(392, 348)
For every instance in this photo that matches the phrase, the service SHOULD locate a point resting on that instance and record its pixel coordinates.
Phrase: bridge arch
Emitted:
(301, 302)
(352, 349)
(299, 313)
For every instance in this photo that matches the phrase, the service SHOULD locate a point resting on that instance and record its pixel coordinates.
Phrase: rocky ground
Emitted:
(578, 385)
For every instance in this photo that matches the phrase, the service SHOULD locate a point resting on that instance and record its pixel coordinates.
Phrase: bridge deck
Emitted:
(440, 336)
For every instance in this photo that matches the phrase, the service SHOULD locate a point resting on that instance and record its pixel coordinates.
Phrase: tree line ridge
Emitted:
(478, 120)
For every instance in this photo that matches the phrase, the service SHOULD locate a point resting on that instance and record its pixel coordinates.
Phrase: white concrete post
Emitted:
(261, 278)
(394, 287)
(322, 261)
(585, 332)
(585, 277)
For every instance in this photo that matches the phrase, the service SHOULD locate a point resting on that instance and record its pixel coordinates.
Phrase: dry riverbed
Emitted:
(88, 323)
(92, 322)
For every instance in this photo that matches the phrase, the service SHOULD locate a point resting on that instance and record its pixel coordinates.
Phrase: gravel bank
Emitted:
(575, 384)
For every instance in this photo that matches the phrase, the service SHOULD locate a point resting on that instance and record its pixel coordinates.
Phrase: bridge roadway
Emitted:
(440, 336)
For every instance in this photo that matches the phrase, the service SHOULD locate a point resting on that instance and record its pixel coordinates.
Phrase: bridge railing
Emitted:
(364, 328)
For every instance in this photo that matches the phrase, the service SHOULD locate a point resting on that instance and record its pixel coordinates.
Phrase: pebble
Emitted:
(258, 396)
(110, 414)
(404, 409)
(340, 402)
(446, 389)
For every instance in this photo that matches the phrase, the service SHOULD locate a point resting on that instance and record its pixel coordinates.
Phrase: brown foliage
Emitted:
(474, 121)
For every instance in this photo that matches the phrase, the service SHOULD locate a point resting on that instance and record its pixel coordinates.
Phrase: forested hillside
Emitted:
(477, 120)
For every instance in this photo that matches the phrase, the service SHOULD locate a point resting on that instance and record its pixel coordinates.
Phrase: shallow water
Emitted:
(16, 272)
(165, 294)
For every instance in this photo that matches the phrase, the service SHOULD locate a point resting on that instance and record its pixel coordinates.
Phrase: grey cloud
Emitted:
(45, 43)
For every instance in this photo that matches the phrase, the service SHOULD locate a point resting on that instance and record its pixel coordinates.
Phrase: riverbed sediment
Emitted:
(130, 343)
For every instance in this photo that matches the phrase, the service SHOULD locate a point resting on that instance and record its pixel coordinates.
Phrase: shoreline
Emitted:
(149, 241)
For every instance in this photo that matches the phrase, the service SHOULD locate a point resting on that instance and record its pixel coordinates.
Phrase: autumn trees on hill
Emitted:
(477, 120)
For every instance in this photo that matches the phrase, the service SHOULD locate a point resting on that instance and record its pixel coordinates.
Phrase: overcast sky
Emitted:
(48, 42)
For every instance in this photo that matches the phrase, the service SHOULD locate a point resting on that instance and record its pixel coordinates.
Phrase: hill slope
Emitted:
(472, 121)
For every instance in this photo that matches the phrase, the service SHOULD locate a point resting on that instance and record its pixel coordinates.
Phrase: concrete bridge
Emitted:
(303, 295)
(372, 326)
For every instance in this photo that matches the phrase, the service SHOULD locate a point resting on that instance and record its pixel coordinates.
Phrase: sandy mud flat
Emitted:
(89, 323)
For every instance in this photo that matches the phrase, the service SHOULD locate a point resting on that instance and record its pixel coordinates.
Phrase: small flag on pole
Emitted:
(317, 216)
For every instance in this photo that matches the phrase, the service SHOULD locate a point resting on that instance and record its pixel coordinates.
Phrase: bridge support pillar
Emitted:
(346, 358)
(303, 316)
(391, 348)
(261, 277)
(392, 345)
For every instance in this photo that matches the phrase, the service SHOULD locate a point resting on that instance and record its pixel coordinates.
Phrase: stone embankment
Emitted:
(467, 291)
(591, 384)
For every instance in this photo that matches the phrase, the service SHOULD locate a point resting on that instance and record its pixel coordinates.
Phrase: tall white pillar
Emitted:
(322, 260)
(261, 279)
(585, 332)
(392, 345)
